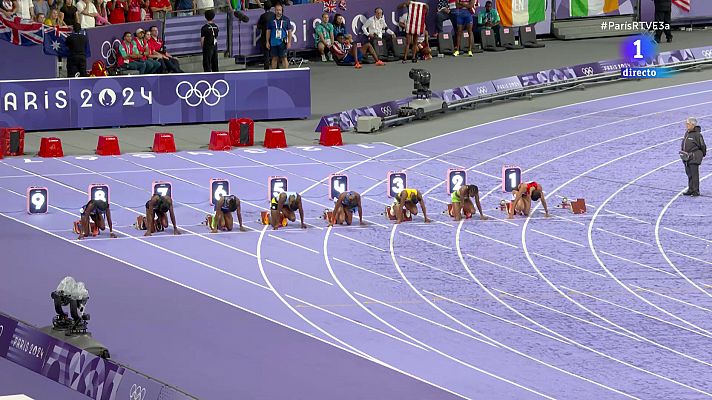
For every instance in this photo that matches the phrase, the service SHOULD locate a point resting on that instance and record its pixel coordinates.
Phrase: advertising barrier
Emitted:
(155, 99)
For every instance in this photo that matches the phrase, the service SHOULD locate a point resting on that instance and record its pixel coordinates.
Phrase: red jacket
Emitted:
(117, 12)
(134, 14)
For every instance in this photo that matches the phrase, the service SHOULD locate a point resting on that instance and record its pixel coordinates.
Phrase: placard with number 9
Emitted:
(98, 191)
(397, 181)
(162, 189)
(218, 189)
(511, 177)
(455, 179)
(338, 183)
(37, 200)
(276, 185)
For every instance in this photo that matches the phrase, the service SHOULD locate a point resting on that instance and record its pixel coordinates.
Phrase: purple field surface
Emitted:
(614, 303)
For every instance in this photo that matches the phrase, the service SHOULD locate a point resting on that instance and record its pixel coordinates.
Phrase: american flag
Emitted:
(682, 4)
(330, 6)
(20, 32)
(416, 18)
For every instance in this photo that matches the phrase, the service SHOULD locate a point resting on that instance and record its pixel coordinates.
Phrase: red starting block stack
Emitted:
(392, 216)
(329, 216)
(330, 136)
(219, 140)
(12, 141)
(164, 143)
(264, 218)
(275, 138)
(108, 146)
(50, 147)
(242, 132)
(449, 212)
(92, 227)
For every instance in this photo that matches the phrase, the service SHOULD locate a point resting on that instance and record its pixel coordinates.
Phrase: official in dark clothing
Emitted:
(209, 43)
(662, 16)
(262, 25)
(693, 150)
(77, 60)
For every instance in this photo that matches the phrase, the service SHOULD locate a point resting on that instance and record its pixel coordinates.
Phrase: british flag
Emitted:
(20, 32)
(684, 5)
(330, 6)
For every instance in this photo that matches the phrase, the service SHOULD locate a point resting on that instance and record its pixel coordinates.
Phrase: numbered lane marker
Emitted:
(276, 185)
(98, 191)
(456, 177)
(511, 177)
(397, 181)
(162, 188)
(218, 189)
(338, 183)
(37, 200)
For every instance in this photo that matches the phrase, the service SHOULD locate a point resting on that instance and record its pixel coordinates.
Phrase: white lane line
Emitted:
(567, 314)
(371, 221)
(688, 235)
(361, 324)
(690, 257)
(434, 268)
(485, 174)
(360, 242)
(475, 309)
(570, 265)
(624, 237)
(375, 201)
(292, 243)
(503, 220)
(426, 241)
(629, 217)
(635, 311)
(567, 219)
(671, 298)
(365, 269)
(501, 266)
(298, 272)
(557, 238)
(383, 303)
(637, 263)
(438, 200)
(492, 239)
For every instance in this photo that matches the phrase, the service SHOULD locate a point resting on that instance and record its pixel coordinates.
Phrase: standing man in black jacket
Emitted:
(662, 16)
(77, 60)
(693, 149)
(262, 23)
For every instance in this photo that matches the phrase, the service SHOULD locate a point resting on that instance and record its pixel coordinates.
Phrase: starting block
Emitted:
(264, 218)
(504, 205)
(142, 225)
(577, 207)
(392, 215)
(449, 212)
(92, 227)
(328, 216)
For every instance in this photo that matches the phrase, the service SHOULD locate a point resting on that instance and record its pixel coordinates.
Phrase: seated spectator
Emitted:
(376, 28)
(40, 7)
(40, 18)
(134, 12)
(489, 18)
(68, 13)
(54, 19)
(152, 66)
(445, 13)
(345, 52)
(324, 37)
(8, 8)
(87, 13)
(339, 23)
(117, 11)
(158, 52)
(129, 56)
(159, 8)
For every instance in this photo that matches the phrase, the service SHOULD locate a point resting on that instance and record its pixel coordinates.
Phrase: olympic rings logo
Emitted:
(137, 392)
(202, 92)
(588, 71)
(707, 53)
(108, 51)
(482, 90)
(386, 110)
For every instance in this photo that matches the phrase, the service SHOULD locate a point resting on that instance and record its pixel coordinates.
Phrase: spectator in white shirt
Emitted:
(25, 9)
(87, 12)
(376, 29)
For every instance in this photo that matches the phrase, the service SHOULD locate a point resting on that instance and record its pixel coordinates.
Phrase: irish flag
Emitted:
(586, 8)
(521, 12)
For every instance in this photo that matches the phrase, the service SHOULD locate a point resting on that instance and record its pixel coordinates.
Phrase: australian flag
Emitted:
(55, 40)
(20, 32)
